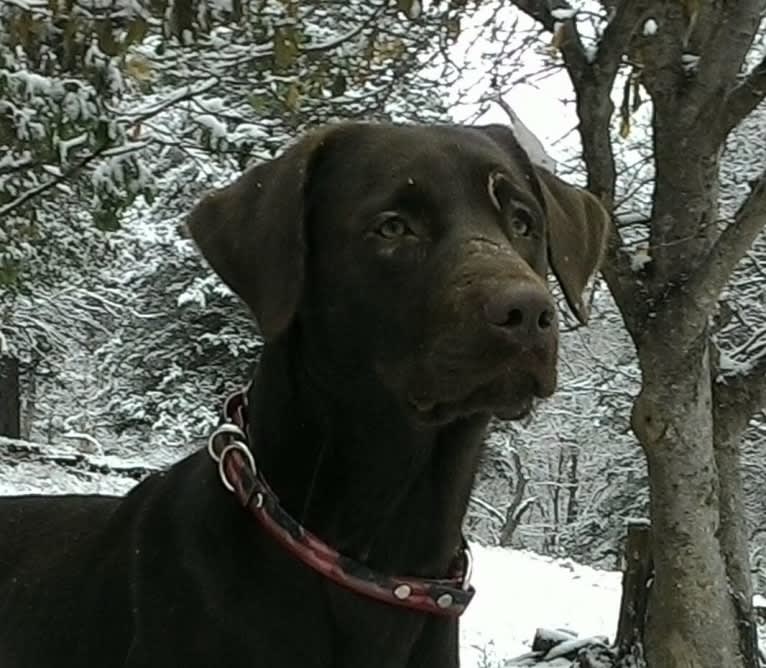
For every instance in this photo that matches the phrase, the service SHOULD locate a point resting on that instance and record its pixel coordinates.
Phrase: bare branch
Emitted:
(727, 44)
(743, 99)
(617, 36)
(740, 395)
(540, 11)
(593, 84)
(697, 296)
(722, 54)
(705, 285)
(497, 514)
(629, 294)
(570, 44)
(518, 505)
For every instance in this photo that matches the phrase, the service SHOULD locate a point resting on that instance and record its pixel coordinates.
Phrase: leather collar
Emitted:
(228, 446)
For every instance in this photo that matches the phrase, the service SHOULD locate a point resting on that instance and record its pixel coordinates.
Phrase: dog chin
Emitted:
(515, 412)
(443, 412)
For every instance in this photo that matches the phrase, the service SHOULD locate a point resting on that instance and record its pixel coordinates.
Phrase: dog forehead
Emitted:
(366, 161)
(441, 150)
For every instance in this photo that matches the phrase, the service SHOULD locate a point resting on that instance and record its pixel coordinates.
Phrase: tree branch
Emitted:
(731, 414)
(540, 11)
(739, 395)
(722, 54)
(570, 44)
(743, 99)
(593, 84)
(704, 286)
(697, 296)
(628, 291)
(617, 36)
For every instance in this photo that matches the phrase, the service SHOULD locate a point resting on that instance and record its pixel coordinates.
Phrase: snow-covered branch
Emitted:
(75, 169)
(107, 150)
(494, 512)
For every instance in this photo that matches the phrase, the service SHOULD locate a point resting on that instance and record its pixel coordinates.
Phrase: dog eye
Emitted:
(392, 226)
(521, 223)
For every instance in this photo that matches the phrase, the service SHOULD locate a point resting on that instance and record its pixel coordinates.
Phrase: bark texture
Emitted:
(10, 422)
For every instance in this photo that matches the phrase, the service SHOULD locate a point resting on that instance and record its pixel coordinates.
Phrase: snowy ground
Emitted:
(516, 591)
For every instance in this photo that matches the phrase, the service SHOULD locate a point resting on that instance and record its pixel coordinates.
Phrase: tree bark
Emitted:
(692, 619)
(517, 507)
(10, 393)
(637, 572)
(732, 407)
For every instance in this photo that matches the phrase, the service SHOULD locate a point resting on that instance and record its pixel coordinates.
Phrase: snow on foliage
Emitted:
(86, 110)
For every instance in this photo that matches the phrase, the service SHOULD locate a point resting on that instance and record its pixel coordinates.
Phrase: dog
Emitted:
(397, 274)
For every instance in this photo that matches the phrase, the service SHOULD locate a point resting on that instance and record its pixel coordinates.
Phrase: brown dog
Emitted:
(398, 275)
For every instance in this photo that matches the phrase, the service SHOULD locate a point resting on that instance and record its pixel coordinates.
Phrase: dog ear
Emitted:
(252, 234)
(577, 223)
(577, 233)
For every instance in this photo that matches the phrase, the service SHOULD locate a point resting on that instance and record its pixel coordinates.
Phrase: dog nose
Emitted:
(527, 314)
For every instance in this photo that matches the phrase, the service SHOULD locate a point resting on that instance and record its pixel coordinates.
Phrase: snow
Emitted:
(65, 145)
(640, 258)
(650, 27)
(216, 127)
(517, 592)
(689, 62)
(246, 132)
(563, 13)
(415, 10)
(729, 366)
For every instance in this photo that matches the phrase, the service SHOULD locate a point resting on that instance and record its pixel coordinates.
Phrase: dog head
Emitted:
(410, 256)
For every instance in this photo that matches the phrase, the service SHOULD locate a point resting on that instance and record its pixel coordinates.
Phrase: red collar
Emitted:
(228, 447)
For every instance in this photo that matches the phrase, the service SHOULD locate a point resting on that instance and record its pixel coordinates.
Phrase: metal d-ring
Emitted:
(468, 567)
(236, 445)
(226, 429)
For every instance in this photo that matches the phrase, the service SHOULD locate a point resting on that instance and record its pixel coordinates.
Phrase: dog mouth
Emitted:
(495, 398)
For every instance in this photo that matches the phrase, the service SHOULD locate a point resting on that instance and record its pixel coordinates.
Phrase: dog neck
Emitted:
(358, 472)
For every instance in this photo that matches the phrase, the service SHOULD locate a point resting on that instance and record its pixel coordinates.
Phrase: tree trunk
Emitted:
(731, 416)
(573, 507)
(518, 505)
(10, 424)
(699, 612)
(692, 619)
(637, 572)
